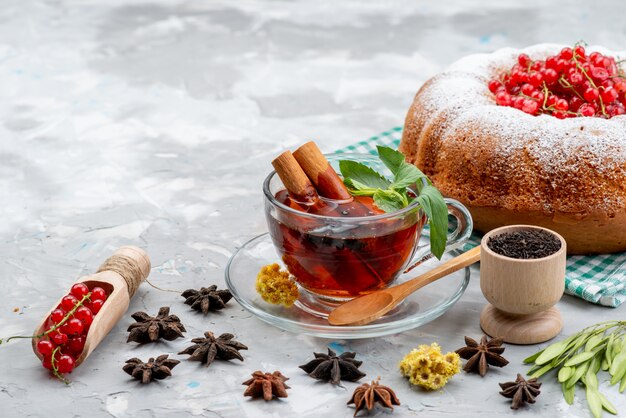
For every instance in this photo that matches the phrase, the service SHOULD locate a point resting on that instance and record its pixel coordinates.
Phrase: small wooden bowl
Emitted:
(521, 293)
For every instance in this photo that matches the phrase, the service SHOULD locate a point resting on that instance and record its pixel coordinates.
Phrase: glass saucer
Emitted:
(419, 308)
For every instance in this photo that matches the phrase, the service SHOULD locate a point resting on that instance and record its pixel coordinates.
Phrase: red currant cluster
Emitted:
(568, 84)
(67, 327)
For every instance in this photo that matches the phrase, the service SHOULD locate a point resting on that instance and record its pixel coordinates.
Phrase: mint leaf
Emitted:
(388, 200)
(391, 158)
(362, 174)
(359, 189)
(407, 175)
(436, 209)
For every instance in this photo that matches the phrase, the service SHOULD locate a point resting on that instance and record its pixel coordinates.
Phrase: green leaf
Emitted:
(607, 405)
(388, 200)
(622, 385)
(552, 351)
(580, 372)
(565, 373)
(594, 341)
(359, 189)
(594, 402)
(541, 371)
(579, 358)
(591, 380)
(391, 158)
(363, 174)
(407, 175)
(568, 393)
(437, 211)
(532, 358)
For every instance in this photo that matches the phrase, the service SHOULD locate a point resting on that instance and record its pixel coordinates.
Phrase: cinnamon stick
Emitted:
(322, 175)
(294, 178)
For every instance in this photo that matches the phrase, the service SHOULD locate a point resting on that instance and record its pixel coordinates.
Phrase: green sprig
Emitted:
(393, 195)
(579, 358)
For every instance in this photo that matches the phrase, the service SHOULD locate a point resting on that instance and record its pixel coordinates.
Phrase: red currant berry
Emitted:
(68, 302)
(551, 62)
(537, 95)
(586, 110)
(561, 104)
(551, 100)
(494, 85)
(84, 314)
(518, 102)
(65, 364)
(559, 115)
(76, 344)
(96, 305)
(527, 89)
(566, 53)
(599, 74)
(79, 290)
(608, 95)
(591, 94)
(580, 52)
(530, 106)
(47, 362)
(617, 110)
(58, 338)
(98, 293)
(536, 78)
(550, 76)
(576, 78)
(575, 103)
(57, 315)
(75, 326)
(524, 60)
(560, 64)
(45, 348)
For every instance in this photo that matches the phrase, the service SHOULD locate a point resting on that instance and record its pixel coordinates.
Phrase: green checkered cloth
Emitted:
(597, 279)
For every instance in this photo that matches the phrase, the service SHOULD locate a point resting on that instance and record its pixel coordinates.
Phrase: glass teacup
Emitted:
(337, 258)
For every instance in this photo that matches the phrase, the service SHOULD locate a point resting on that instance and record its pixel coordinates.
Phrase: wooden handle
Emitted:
(468, 258)
(320, 172)
(119, 276)
(294, 178)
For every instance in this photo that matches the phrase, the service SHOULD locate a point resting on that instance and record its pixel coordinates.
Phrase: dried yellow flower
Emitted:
(276, 286)
(427, 367)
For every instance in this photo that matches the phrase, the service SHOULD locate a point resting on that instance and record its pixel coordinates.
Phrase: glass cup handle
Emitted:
(456, 239)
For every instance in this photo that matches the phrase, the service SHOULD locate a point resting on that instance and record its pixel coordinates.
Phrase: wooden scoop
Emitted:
(368, 308)
(120, 276)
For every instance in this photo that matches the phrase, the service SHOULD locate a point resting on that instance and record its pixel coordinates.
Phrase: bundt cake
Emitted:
(517, 145)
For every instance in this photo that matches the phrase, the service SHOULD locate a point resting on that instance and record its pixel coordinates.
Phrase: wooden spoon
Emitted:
(368, 308)
(128, 265)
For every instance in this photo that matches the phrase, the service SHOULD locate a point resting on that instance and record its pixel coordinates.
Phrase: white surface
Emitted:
(154, 123)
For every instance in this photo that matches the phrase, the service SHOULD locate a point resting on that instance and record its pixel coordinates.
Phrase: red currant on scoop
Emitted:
(68, 302)
(76, 344)
(75, 326)
(65, 364)
(96, 305)
(84, 314)
(98, 293)
(58, 338)
(47, 362)
(57, 315)
(45, 348)
(79, 290)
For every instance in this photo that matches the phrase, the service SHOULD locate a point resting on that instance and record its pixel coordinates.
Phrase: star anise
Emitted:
(207, 298)
(148, 328)
(334, 368)
(209, 348)
(267, 385)
(480, 356)
(152, 370)
(521, 391)
(365, 396)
